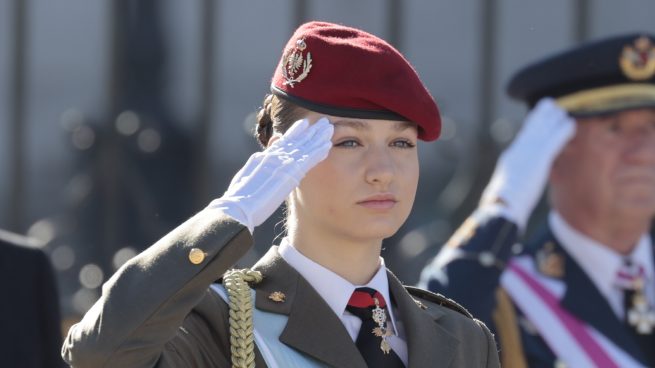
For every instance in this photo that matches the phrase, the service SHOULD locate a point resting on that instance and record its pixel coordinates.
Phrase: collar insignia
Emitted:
(277, 296)
(550, 262)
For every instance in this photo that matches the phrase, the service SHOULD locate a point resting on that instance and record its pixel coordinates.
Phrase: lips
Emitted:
(379, 202)
(637, 178)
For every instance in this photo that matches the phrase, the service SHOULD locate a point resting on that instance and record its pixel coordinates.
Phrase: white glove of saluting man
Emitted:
(523, 168)
(268, 177)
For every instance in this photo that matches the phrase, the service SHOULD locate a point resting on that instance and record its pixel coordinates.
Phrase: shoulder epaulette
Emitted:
(438, 299)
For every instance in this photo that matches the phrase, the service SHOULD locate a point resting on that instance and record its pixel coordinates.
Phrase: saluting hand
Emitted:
(522, 169)
(268, 177)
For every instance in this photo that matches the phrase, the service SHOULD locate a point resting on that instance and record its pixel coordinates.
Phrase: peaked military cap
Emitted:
(599, 77)
(343, 71)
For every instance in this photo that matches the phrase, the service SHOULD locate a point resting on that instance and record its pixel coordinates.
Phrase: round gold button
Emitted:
(196, 256)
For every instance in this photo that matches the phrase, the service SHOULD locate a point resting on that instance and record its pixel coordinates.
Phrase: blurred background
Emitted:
(120, 119)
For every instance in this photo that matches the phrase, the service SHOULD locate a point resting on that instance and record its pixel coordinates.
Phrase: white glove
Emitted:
(268, 177)
(522, 169)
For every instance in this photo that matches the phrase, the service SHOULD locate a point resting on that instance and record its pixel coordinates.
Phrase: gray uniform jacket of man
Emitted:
(30, 325)
(157, 311)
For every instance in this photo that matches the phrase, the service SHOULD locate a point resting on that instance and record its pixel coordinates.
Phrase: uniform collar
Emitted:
(314, 329)
(334, 289)
(599, 262)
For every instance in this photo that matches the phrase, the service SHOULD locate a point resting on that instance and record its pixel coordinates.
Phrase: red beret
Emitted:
(343, 71)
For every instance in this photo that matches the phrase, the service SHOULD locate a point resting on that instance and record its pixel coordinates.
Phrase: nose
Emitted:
(641, 148)
(380, 167)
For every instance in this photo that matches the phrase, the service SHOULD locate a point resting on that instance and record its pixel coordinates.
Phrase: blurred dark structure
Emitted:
(134, 164)
(16, 114)
(121, 119)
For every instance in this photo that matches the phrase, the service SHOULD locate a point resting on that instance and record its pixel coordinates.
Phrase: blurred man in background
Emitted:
(581, 293)
(30, 332)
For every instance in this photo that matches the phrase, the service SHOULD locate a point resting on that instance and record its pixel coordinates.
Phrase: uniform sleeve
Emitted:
(468, 268)
(194, 345)
(146, 301)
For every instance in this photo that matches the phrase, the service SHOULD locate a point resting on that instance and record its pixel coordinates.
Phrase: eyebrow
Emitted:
(362, 125)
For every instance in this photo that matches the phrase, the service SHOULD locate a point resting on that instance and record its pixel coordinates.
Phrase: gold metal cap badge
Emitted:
(296, 67)
(638, 61)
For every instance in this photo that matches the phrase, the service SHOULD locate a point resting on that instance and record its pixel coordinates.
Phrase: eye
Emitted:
(614, 126)
(403, 143)
(347, 143)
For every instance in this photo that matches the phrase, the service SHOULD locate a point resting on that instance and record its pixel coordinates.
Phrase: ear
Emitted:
(274, 138)
(557, 167)
(553, 174)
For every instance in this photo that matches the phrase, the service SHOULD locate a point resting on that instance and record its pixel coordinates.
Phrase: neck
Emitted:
(355, 260)
(618, 233)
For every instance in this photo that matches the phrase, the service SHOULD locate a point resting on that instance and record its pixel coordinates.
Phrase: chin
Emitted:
(376, 231)
(638, 209)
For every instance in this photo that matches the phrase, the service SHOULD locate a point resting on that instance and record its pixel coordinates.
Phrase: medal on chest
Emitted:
(380, 317)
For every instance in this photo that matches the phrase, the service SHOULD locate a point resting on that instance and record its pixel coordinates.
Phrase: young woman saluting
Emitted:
(340, 130)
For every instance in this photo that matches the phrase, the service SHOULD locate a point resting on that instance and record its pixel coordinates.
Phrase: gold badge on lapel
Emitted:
(277, 296)
(637, 61)
(295, 66)
(550, 262)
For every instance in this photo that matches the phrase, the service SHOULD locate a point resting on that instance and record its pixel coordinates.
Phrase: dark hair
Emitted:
(276, 115)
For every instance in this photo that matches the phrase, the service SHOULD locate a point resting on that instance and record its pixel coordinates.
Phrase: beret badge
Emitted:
(296, 67)
(638, 61)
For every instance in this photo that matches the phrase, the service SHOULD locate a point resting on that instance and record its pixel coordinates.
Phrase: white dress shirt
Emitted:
(336, 292)
(601, 263)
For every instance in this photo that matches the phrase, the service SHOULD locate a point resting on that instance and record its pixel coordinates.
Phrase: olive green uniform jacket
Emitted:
(157, 311)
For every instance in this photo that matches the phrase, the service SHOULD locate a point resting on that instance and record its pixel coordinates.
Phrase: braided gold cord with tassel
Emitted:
(242, 344)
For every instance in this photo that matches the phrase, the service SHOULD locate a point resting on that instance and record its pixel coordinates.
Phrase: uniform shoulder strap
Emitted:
(437, 299)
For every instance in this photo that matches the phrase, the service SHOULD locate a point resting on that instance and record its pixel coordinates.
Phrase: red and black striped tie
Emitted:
(369, 305)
